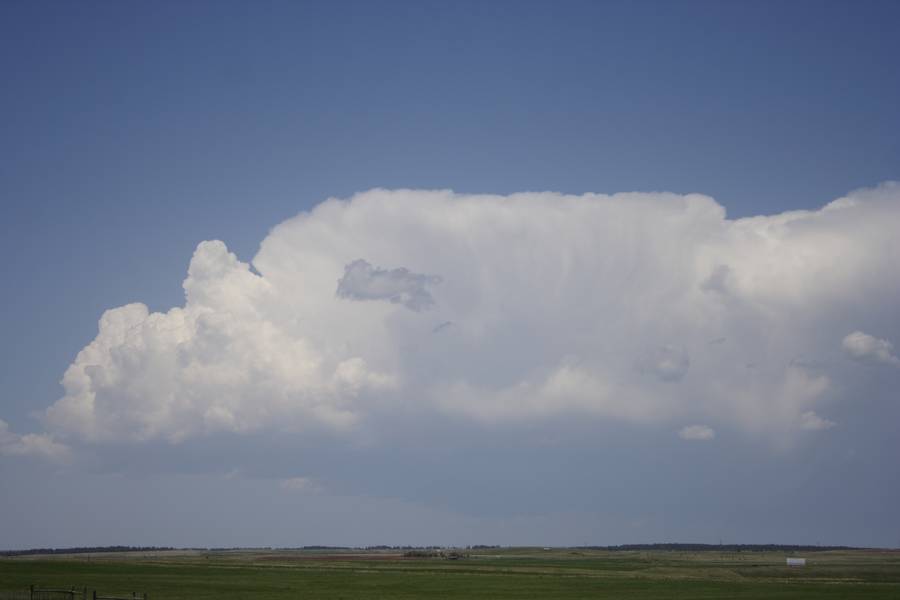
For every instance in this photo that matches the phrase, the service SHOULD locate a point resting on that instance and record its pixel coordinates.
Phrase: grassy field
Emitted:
(506, 573)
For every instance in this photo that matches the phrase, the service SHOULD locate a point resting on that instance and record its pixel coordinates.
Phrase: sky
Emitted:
(352, 273)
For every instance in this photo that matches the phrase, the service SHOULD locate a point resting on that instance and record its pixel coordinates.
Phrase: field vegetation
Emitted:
(477, 573)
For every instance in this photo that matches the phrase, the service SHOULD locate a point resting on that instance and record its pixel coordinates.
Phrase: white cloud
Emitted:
(553, 301)
(813, 422)
(218, 364)
(40, 445)
(866, 348)
(696, 433)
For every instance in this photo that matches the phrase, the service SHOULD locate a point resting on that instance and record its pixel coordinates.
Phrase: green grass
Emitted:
(508, 573)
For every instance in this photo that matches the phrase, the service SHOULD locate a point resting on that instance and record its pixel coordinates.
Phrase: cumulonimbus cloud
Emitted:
(560, 305)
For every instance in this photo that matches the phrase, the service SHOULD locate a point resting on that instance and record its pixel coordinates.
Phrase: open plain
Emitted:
(488, 573)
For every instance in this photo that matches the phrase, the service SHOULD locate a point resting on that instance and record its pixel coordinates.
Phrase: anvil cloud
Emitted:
(642, 308)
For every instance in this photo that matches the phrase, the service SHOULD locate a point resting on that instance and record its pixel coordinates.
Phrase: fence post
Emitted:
(31, 592)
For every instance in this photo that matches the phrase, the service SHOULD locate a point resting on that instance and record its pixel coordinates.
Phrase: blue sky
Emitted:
(132, 132)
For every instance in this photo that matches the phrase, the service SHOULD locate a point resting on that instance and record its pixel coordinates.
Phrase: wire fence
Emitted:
(36, 593)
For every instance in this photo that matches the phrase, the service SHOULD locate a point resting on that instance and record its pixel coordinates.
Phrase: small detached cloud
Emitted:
(40, 445)
(300, 485)
(697, 433)
(810, 421)
(870, 349)
(362, 281)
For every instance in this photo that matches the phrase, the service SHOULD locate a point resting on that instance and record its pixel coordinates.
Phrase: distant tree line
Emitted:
(403, 547)
(378, 547)
(433, 550)
(448, 554)
(85, 550)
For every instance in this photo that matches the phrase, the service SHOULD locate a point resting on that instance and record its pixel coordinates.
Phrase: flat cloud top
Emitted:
(588, 307)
